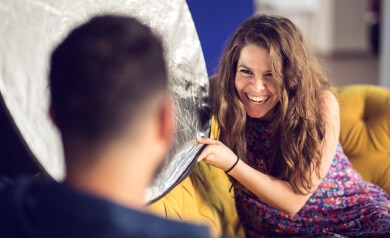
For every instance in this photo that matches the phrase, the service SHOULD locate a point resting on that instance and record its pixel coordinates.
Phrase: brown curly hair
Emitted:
(297, 126)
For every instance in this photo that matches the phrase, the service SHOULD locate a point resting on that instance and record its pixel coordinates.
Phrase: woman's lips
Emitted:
(257, 99)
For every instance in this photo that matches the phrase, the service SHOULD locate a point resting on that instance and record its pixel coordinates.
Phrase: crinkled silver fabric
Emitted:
(30, 29)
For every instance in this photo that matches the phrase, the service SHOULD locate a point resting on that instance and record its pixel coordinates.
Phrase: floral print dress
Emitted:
(342, 206)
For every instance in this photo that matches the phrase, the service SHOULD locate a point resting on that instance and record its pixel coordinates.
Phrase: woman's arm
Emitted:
(275, 192)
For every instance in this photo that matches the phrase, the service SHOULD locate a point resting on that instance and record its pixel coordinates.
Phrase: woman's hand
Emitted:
(216, 153)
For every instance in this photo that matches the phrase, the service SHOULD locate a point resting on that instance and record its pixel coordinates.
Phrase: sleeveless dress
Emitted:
(342, 206)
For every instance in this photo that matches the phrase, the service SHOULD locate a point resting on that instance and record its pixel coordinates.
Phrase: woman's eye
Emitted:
(245, 71)
(269, 74)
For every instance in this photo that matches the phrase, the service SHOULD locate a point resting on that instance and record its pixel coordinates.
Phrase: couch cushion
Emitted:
(365, 130)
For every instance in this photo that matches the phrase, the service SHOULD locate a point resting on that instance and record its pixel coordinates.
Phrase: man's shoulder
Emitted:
(64, 207)
(8, 188)
(5, 183)
(156, 226)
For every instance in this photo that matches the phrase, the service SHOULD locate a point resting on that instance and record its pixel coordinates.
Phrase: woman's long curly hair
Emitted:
(297, 127)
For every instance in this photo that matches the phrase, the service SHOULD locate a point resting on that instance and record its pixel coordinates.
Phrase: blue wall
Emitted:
(215, 21)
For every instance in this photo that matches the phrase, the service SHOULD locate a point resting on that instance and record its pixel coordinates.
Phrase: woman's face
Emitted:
(254, 82)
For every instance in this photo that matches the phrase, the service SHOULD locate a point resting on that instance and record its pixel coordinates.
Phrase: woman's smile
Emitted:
(257, 99)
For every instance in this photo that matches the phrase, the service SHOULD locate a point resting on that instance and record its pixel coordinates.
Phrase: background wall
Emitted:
(350, 27)
(384, 78)
(351, 37)
(332, 27)
(215, 21)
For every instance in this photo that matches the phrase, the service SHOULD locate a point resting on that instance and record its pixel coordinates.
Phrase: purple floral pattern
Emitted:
(342, 206)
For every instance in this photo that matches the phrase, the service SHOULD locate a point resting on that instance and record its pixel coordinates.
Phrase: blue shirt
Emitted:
(44, 208)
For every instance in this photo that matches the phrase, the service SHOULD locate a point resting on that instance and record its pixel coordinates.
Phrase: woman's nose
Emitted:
(259, 84)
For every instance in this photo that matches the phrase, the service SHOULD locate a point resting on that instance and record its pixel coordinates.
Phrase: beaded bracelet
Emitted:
(234, 165)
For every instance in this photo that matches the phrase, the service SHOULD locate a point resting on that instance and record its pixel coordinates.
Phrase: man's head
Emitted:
(106, 79)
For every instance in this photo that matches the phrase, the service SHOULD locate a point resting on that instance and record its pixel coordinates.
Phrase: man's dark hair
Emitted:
(101, 76)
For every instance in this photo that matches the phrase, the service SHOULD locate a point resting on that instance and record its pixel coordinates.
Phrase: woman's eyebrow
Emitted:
(244, 66)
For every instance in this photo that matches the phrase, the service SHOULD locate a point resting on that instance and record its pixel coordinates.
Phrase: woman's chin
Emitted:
(255, 115)
(259, 114)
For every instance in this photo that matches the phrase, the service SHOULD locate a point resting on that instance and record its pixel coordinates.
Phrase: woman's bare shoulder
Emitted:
(329, 100)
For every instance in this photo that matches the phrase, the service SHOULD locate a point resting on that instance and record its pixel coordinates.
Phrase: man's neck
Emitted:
(117, 179)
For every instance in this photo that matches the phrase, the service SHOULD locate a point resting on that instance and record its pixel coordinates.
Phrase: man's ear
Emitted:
(167, 122)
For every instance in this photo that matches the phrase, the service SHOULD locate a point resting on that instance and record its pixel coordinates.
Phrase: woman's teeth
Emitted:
(258, 100)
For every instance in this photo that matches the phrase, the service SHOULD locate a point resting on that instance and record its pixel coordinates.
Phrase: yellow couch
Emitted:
(365, 131)
(204, 196)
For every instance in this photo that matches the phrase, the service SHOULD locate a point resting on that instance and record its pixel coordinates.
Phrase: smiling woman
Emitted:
(254, 82)
(277, 114)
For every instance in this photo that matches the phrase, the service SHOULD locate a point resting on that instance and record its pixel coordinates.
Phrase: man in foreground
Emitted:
(109, 100)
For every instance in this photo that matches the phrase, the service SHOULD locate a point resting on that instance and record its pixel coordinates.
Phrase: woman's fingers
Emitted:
(215, 153)
(203, 154)
(202, 157)
(207, 151)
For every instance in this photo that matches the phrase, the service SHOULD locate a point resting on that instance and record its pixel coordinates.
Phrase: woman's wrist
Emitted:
(233, 166)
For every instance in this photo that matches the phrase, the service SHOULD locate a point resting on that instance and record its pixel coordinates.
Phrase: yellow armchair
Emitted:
(365, 131)
(204, 197)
